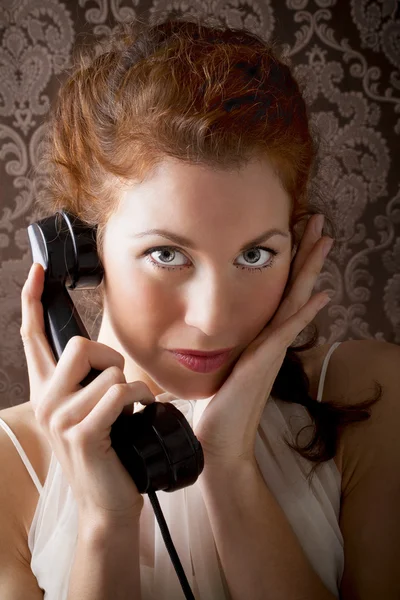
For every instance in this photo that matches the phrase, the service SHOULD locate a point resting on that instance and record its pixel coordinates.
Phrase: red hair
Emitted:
(202, 94)
(182, 89)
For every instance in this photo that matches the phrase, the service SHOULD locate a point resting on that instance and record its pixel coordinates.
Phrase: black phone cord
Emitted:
(170, 546)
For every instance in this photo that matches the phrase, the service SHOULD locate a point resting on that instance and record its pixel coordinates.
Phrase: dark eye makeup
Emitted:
(154, 263)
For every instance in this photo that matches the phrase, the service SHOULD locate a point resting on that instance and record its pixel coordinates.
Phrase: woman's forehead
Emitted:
(197, 191)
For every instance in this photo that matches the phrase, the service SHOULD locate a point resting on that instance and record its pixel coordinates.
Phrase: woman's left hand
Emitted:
(228, 426)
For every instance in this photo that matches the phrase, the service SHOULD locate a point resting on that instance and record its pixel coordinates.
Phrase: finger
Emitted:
(77, 407)
(117, 399)
(78, 358)
(279, 338)
(292, 327)
(68, 409)
(39, 356)
(110, 381)
(304, 285)
(311, 235)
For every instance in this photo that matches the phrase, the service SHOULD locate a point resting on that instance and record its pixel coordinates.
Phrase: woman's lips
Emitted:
(200, 364)
(201, 353)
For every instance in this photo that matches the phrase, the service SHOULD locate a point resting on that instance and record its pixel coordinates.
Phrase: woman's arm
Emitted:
(106, 562)
(370, 508)
(260, 554)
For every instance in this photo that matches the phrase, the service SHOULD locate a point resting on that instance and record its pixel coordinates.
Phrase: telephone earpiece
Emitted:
(156, 445)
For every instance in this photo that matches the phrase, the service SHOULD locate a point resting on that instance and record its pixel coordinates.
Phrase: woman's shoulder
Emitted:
(357, 371)
(18, 498)
(354, 366)
(370, 465)
(15, 479)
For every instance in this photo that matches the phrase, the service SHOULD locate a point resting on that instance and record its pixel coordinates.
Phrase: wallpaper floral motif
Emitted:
(348, 51)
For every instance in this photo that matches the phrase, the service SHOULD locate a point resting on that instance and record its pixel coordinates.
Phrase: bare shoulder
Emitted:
(357, 368)
(17, 487)
(354, 356)
(17, 499)
(354, 367)
(357, 371)
(369, 458)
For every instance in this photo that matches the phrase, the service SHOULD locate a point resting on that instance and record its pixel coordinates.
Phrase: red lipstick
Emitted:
(200, 352)
(202, 362)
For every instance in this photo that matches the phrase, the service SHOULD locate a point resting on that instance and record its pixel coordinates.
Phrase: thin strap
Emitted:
(23, 455)
(324, 369)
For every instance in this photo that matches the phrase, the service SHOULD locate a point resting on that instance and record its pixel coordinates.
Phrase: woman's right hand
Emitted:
(77, 421)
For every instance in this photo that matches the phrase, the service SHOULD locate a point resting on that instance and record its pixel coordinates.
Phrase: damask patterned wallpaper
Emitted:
(349, 51)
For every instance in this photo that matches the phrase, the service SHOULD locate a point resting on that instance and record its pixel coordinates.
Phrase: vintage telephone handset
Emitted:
(156, 445)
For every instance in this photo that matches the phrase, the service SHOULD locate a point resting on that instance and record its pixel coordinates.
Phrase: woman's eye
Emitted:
(253, 258)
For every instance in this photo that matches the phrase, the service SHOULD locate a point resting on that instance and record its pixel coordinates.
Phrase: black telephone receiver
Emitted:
(156, 445)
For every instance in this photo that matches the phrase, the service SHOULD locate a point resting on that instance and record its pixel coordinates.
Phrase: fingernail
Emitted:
(319, 224)
(324, 302)
(327, 247)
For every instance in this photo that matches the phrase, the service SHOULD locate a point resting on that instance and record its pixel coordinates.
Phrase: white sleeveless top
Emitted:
(313, 513)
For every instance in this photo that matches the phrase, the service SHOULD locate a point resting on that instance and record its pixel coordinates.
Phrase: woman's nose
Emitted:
(211, 305)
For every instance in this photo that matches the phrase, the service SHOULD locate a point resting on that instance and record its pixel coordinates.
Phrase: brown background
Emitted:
(349, 50)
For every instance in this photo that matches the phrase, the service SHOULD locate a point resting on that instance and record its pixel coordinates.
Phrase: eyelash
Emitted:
(155, 264)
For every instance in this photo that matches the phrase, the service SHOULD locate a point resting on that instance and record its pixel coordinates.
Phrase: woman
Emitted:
(203, 133)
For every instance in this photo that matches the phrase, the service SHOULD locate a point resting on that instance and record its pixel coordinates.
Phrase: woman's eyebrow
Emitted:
(183, 241)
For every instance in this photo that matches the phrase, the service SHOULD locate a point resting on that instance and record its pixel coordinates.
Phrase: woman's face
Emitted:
(205, 294)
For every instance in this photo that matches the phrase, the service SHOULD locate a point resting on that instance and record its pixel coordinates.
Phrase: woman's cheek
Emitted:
(149, 304)
(146, 304)
(270, 297)
(281, 286)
